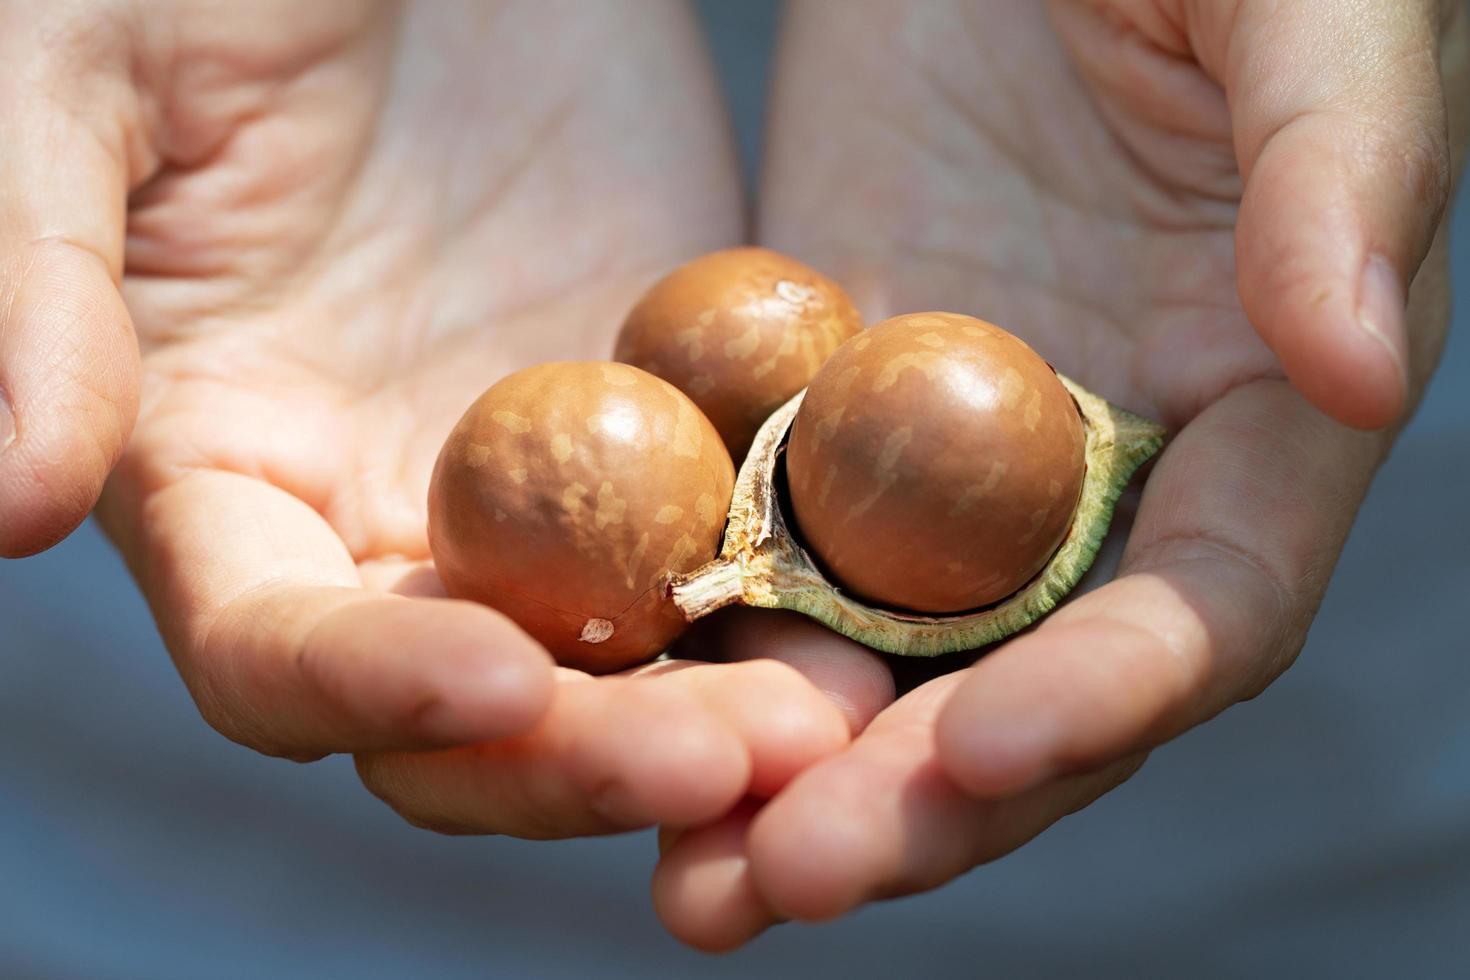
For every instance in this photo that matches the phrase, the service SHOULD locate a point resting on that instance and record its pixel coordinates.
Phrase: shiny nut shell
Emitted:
(566, 494)
(935, 463)
(739, 331)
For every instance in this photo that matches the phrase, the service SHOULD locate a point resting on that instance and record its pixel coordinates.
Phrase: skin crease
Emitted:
(566, 494)
(323, 265)
(740, 331)
(935, 463)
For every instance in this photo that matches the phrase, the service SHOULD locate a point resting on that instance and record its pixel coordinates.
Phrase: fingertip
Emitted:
(68, 395)
(702, 891)
(490, 680)
(657, 757)
(785, 723)
(52, 473)
(811, 854)
(1349, 371)
(1325, 246)
(853, 677)
(990, 754)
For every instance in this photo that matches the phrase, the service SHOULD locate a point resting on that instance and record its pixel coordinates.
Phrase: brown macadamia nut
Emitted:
(564, 497)
(935, 463)
(739, 331)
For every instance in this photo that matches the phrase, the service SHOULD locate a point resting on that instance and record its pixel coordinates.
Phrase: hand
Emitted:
(332, 226)
(1179, 205)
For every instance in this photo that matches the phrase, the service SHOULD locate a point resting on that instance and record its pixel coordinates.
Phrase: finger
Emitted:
(678, 745)
(853, 677)
(882, 820)
(284, 651)
(783, 720)
(1341, 134)
(1220, 580)
(68, 356)
(702, 889)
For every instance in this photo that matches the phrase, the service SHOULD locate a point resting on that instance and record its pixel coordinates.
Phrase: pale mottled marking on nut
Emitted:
(706, 317)
(618, 375)
(790, 340)
(596, 631)
(499, 515)
(518, 475)
(511, 422)
(1054, 488)
(925, 362)
(478, 455)
(827, 425)
(668, 514)
(883, 469)
(1033, 410)
(1038, 520)
(701, 384)
(795, 292)
(846, 378)
(684, 549)
(976, 492)
(1011, 386)
(927, 321)
(893, 448)
(827, 482)
(693, 338)
(635, 559)
(561, 447)
(930, 340)
(741, 347)
(610, 507)
(975, 331)
(810, 355)
(706, 508)
(862, 343)
(571, 498)
(688, 439)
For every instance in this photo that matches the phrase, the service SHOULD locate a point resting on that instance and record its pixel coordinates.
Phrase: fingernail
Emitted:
(7, 423)
(1383, 307)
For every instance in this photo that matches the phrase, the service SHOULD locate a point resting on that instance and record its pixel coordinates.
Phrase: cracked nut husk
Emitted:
(967, 490)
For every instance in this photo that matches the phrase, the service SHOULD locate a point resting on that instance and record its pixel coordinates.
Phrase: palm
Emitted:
(395, 218)
(413, 242)
(1051, 169)
(1032, 206)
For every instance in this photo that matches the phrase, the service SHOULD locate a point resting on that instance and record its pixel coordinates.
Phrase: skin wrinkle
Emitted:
(236, 299)
(1052, 288)
(1291, 615)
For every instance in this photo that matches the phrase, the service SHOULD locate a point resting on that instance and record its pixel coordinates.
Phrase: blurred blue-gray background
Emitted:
(1322, 830)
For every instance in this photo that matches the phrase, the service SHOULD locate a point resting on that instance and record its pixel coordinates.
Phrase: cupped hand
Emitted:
(1209, 213)
(296, 241)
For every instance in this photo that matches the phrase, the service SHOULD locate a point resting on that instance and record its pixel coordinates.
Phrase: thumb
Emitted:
(68, 356)
(1341, 135)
